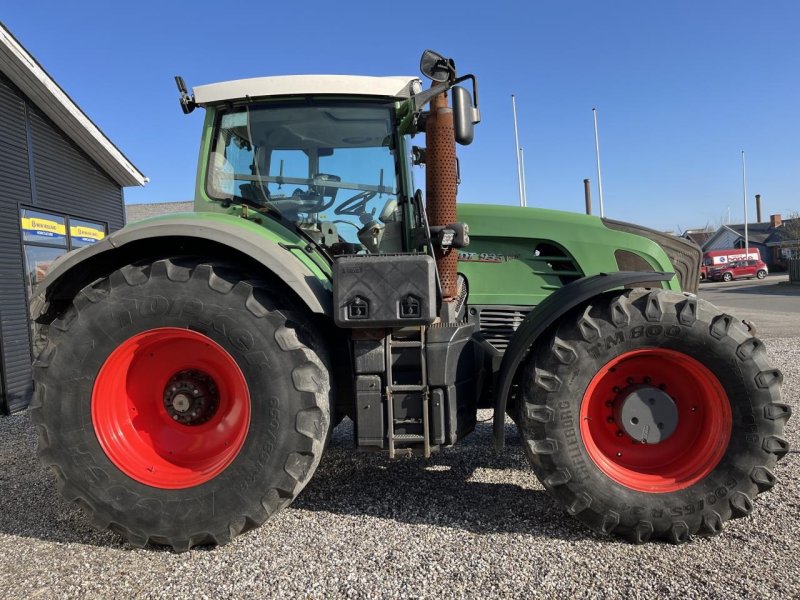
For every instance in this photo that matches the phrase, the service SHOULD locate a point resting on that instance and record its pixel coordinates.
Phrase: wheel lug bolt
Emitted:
(617, 390)
(662, 387)
(647, 380)
(610, 419)
(609, 404)
(619, 434)
(630, 380)
(619, 453)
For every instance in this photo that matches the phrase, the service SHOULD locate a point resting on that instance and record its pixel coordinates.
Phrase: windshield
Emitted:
(323, 166)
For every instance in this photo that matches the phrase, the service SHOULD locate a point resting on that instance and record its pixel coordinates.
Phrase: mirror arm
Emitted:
(474, 87)
(421, 99)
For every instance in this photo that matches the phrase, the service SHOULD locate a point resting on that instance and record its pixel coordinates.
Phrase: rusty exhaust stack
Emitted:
(758, 208)
(441, 183)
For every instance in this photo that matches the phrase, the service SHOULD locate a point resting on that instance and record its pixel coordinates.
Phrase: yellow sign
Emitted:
(87, 233)
(37, 224)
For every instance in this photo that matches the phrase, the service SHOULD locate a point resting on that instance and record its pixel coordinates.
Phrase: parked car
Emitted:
(738, 270)
(714, 259)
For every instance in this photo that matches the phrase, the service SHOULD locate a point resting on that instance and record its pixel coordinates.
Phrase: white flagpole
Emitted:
(744, 200)
(516, 151)
(597, 154)
(524, 186)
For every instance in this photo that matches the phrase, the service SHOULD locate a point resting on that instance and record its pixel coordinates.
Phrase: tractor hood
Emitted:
(518, 256)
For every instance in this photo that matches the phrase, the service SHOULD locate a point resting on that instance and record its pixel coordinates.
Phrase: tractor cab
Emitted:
(333, 167)
(328, 155)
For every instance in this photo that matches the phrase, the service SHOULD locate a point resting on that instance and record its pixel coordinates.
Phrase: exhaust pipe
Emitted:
(441, 184)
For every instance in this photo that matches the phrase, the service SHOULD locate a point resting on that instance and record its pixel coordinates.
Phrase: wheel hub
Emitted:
(191, 397)
(647, 414)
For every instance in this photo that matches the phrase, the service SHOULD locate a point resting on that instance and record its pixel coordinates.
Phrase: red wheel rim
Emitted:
(162, 438)
(694, 448)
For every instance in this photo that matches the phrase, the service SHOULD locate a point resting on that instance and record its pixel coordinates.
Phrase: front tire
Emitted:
(653, 415)
(727, 277)
(179, 403)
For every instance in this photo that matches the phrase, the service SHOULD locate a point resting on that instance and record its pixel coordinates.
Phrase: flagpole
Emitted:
(597, 155)
(516, 151)
(744, 200)
(522, 167)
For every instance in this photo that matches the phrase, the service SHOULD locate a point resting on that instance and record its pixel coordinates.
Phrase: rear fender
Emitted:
(542, 318)
(282, 254)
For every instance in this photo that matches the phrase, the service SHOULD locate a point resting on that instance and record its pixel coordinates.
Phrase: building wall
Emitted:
(40, 168)
(722, 241)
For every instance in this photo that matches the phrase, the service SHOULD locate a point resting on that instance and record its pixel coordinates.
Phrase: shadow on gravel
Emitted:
(441, 491)
(469, 487)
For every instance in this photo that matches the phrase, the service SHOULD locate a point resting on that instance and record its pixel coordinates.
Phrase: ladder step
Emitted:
(407, 388)
(406, 344)
(408, 437)
(408, 421)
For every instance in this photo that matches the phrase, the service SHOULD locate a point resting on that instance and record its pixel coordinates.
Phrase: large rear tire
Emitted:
(653, 415)
(180, 404)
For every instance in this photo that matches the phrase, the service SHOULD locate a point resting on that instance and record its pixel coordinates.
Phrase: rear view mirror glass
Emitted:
(435, 66)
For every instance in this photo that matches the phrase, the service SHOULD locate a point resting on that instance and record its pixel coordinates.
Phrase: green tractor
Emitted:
(194, 365)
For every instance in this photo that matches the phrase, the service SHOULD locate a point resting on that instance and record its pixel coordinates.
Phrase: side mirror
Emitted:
(436, 67)
(465, 115)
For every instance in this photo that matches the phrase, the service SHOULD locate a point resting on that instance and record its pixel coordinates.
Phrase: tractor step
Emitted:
(405, 438)
(413, 393)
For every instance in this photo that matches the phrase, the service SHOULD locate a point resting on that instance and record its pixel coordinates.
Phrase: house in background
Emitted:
(775, 239)
(139, 212)
(61, 182)
(698, 236)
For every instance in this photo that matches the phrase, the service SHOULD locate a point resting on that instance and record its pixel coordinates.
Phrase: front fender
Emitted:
(281, 252)
(542, 317)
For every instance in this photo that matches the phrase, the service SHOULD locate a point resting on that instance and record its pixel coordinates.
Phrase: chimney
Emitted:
(758, 208)
(775, 221)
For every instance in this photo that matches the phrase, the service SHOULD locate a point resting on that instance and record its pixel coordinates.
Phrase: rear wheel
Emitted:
(181, 404)
(761, 274)
(653, 415)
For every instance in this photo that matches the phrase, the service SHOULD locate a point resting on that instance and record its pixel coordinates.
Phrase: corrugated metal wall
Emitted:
(65, 181)
(15, 189)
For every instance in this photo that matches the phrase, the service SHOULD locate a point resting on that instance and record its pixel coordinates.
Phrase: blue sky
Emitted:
(681, 88)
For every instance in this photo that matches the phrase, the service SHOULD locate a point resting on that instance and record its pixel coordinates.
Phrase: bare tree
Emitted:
(791, 233)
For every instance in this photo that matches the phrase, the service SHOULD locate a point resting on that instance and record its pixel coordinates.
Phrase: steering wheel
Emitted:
(356, 206)
(309, 201)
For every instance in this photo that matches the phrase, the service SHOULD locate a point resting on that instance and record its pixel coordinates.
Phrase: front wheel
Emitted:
(180, 403)
(653, 415)
(727, 277)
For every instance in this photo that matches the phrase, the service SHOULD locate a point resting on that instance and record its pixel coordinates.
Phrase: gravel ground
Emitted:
(468, 523)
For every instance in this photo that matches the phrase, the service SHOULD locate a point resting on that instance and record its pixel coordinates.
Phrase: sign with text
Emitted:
(43, 228)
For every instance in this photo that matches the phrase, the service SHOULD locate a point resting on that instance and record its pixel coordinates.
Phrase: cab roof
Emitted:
(399, 87)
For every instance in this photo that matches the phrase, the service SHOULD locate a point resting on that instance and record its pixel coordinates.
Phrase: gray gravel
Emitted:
(468, 523)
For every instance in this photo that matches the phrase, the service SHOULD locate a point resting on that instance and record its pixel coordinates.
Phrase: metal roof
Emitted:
(302, 85)
(29, 76)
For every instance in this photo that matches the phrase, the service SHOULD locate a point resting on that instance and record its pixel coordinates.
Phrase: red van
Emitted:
(738, 269)
(721, 258)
